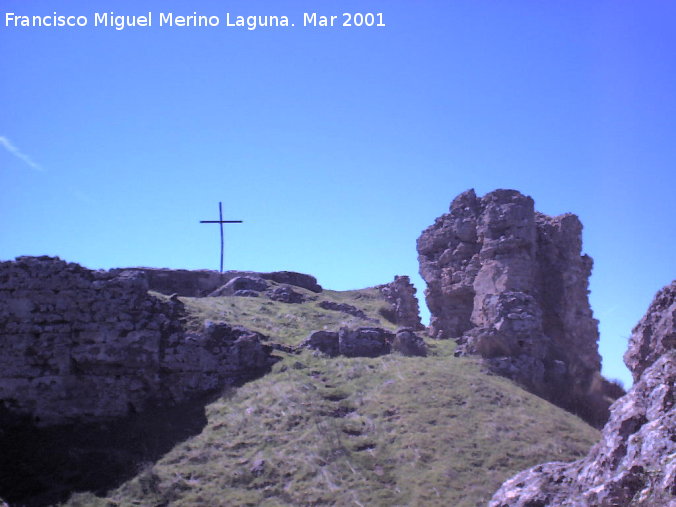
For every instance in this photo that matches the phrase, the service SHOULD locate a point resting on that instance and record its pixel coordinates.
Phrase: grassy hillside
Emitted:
(383, 431)
(290, 323)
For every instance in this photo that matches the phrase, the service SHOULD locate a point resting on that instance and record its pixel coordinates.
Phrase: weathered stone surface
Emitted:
(343, 307)
(241, 283)
(285, 294)
(323, 341)
(200, 283)
(292, 278)
(365, 342)
(655, 334)
(407, 343)
(400, 293)
(77, 344)
(635, 461)
(510, 284)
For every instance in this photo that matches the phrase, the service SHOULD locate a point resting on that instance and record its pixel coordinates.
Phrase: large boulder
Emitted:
(407, 343)
(511, 285)
(634, 463)
(325, 342)
(365, 342)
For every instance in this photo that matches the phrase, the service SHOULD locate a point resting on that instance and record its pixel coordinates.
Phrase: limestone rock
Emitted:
(364, 342)
(323, 341)
(285, 294)
(81, 345)
(400, 293)
(343, 307)
(200, 283)
(655, 334)
(407, 343)
(634, 463)
(510, 284)
(241, 283)
(292, 278)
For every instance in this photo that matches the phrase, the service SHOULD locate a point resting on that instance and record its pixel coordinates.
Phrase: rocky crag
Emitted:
(510, 284)
(77, 344)
(634, 463)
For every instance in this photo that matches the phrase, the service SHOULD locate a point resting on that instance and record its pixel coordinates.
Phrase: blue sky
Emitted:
(338, 146)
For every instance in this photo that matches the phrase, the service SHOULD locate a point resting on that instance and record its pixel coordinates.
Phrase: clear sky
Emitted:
(338, 146)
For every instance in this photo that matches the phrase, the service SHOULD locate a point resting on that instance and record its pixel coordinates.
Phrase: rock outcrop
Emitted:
(635, 461)
(366, 342)
(655, 334)
(510, 284)
(400, 294)
(82, 345)
(285, 294)
(241, 283)
(200, 283)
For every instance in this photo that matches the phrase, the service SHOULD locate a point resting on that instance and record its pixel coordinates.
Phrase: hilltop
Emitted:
(310, 429)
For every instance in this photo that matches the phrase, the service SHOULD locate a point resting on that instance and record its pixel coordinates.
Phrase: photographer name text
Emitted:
(195, 20)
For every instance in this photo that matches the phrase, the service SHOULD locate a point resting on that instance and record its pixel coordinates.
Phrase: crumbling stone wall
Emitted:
(510, 284)
(400, 294)
(634, 462)
(77, 344)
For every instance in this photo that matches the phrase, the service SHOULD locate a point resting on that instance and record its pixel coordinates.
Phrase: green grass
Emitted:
(288, 323)
(384, 431)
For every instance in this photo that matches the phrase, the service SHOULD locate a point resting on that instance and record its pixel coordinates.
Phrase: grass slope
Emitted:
(289, 323)
(384, 431)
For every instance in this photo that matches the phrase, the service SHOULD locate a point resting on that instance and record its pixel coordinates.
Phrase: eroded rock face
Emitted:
(655, 334)
(635, 461)
(510, 284)
(400, 293)
(77, 344)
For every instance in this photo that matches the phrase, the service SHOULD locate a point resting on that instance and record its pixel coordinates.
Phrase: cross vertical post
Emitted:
(220, 222)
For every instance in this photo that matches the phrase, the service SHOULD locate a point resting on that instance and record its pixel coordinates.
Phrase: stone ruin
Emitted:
(510, 284)
(634, 463)
(400, 293)
(77, 344)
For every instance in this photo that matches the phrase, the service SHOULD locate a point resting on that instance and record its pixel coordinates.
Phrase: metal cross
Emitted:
(220, 221)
